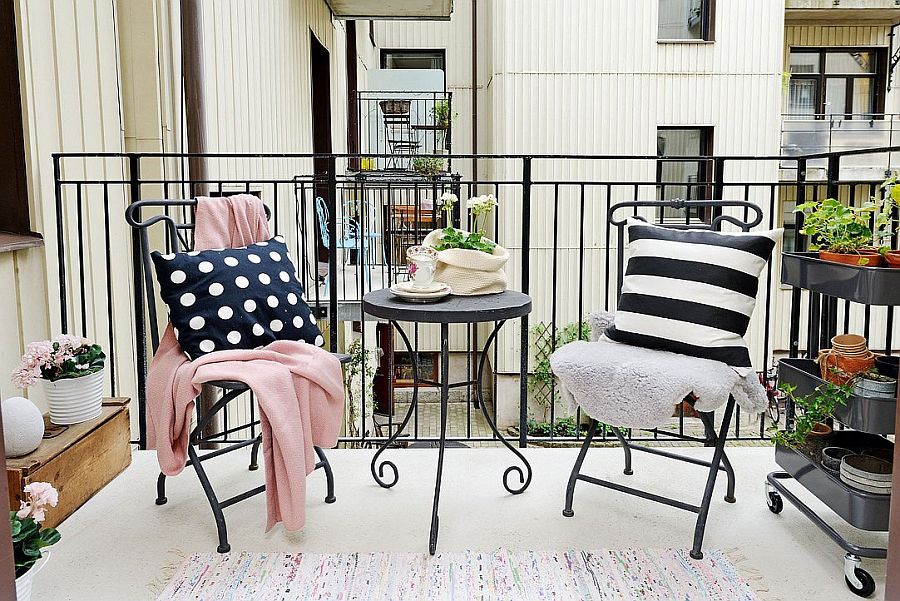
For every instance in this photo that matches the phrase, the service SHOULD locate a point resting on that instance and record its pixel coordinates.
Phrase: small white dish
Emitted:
(432, 288)
(406, 291)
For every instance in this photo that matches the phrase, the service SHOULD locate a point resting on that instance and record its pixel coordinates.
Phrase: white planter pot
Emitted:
(75, 400)
(25, 581)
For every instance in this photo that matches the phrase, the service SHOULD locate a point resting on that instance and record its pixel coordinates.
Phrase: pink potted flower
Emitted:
(29, 538)
(71, 371)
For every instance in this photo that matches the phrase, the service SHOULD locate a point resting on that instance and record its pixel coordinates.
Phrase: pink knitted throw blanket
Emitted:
(298, 386)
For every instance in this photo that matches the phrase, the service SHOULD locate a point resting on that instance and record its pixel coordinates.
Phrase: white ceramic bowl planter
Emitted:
(75, 400)
(25, 581)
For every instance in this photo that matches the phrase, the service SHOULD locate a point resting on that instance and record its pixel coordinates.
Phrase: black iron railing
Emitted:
(552, 217)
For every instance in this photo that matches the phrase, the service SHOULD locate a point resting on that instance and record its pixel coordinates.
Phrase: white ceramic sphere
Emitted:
(23, 426)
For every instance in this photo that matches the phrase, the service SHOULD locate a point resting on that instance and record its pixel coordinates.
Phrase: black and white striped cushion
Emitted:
(691, 291)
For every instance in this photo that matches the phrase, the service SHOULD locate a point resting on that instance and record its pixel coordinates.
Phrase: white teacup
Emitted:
(422, 265)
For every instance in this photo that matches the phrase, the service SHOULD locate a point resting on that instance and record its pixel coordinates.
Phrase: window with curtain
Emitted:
(685, 20)
(844, 82)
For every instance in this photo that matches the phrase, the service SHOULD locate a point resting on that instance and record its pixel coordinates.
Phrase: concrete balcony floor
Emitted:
(122, 546)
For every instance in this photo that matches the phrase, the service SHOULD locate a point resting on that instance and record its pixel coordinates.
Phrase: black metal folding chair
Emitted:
(402, 140)
(179, 238)
(712, 210)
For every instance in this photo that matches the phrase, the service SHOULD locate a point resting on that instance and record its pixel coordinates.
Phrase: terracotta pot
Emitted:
(892, 258)
(848, 366)
(820, 429)
(863, 258)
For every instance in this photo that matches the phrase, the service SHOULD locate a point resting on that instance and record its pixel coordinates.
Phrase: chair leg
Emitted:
(625, 447)
(161, 489)
(254, 454)
(221, 528)
(700, 528)
(576, 469)
(707, 420)
(329, 475)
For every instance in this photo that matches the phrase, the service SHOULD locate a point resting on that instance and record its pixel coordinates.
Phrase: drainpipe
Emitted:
(352, 94)
(475, 92)
(194, 109)
(194, 102)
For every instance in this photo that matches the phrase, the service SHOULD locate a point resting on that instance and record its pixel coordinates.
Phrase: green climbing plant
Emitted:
(543, 342)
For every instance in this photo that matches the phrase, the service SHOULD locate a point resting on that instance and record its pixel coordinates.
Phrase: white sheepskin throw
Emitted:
(634, 387)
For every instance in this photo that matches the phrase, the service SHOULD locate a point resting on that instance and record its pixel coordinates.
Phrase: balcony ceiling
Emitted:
(391, 9)
(841, 12)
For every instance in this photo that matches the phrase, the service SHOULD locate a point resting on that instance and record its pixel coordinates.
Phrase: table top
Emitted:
(450, 309)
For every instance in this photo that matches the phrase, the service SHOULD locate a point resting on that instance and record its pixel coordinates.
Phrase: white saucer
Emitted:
(432, 288)
(405, 290)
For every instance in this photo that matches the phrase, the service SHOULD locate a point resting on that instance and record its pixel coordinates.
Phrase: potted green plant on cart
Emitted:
(811, 413)
(848, 234)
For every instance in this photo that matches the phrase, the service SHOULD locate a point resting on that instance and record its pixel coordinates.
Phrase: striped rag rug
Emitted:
(649, 575)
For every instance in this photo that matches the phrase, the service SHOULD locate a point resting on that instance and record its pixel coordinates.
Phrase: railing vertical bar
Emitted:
(332, 255)
(60, 245)
(526, 266)
(554, 304)
(79, 223)
(111, 344)
(581, 202)
(134, 174)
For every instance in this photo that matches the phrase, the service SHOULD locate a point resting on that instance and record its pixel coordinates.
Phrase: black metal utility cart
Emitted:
(866, 420)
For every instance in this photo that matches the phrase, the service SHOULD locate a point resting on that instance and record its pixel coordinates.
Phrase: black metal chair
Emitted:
(402, 140)
(713, 211)
(179, 237)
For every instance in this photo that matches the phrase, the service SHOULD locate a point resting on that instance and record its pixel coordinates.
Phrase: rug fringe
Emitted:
(753, 576)
(174, 559)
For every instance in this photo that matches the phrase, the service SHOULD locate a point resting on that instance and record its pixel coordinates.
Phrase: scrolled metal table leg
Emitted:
(378, 472)
(524, 475)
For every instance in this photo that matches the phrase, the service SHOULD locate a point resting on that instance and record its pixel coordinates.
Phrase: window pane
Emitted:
(803, 96)
(789, 222)
(863, 98)
(413, 60)
(680, 20)
(804, 62)
(685, 176)
(835, 96)
(849, 62)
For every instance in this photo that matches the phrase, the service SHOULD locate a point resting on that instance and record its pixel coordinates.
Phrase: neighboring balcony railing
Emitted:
(816, 134)
(400, 125)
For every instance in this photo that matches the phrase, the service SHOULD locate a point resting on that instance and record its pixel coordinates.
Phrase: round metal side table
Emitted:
(497, 308)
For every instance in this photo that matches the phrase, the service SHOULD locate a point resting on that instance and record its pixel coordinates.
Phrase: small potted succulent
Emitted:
(852, 235)
(29, 538)
(470, 263)
(71, 371)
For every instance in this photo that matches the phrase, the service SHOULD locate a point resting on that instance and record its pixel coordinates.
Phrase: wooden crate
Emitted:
(79, 462)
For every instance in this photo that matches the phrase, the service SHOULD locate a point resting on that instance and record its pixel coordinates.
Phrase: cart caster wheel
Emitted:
(867, 583)
(775, 503)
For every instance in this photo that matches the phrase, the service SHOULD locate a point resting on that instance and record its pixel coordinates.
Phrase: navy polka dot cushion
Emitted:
(236, 298)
